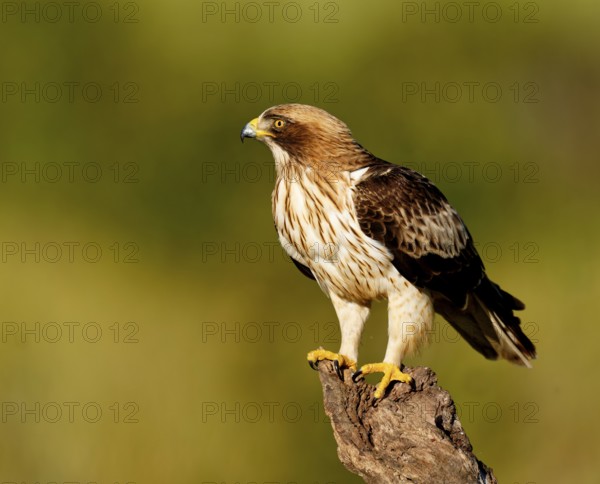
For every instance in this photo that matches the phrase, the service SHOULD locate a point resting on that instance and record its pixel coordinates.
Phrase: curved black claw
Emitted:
(314, 365)
(356, 375)
(338, 370)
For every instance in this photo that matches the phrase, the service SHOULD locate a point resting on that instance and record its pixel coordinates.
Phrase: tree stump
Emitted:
(412, 435)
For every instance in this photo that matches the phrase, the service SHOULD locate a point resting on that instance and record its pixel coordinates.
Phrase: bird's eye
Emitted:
(279, 123)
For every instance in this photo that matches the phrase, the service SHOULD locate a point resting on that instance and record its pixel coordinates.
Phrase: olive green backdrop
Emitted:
(151, 328)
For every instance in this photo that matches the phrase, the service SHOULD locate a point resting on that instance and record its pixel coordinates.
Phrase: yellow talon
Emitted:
(390, 372)
(342, 361)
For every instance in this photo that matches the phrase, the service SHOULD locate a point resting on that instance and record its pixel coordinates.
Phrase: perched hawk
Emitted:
(366, 229)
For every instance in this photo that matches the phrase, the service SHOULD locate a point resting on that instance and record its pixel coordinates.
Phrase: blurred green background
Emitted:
(153, 331)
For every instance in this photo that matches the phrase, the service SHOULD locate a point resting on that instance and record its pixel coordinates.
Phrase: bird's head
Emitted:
(304, 134)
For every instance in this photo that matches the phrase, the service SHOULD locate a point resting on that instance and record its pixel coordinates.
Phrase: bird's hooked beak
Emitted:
(251, 131)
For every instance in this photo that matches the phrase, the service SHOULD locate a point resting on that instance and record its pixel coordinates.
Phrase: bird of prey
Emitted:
(366, 229)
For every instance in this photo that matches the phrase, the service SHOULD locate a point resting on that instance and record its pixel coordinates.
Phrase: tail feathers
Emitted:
(467, 325)
(510, 342)
(489, 325)
(508, 299)
(499, 306)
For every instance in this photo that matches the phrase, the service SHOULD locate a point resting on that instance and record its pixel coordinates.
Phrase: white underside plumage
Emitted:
(350, 267)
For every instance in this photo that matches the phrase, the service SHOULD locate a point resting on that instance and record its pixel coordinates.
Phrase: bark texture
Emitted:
(412, 435)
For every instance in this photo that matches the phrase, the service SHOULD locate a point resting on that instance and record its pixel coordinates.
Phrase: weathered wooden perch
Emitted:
(411, 436)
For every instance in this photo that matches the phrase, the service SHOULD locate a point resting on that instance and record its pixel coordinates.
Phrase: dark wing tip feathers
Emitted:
(503, 304)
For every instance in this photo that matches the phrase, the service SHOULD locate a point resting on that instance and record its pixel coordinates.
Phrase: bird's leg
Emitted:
(352, 318)
(391, 372)
(410, 315)
(339, 360)
(390, 366)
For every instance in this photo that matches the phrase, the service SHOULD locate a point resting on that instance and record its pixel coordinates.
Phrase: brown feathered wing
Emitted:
(433, 249)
